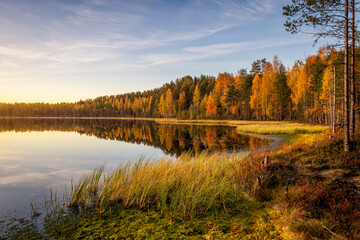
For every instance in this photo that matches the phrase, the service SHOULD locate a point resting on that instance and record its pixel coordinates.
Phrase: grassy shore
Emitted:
(206, 196)
(306, 191)
(243, 126)
(309, 189)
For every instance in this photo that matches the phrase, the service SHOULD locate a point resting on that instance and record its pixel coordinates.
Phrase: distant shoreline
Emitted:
(242, 126)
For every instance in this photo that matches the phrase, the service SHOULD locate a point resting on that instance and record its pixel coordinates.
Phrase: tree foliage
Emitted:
(301, 92)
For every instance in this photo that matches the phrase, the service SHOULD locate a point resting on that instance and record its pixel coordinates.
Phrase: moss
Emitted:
(247, 220)
(122, 223)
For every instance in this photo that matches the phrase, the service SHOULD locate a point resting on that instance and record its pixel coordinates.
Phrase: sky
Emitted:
(67, 50)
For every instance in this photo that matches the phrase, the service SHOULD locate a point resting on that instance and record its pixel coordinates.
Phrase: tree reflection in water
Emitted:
(172, 139)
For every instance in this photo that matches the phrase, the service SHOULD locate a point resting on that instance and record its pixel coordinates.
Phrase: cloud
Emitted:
(226, 48)
(26, 177)
(95, 50)
(248, 10)
(107, 41)
(97, 30)
(215, 50)
(12, 167)
(33, 177)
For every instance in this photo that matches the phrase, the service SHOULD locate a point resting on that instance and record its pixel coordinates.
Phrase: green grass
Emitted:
(249, 222)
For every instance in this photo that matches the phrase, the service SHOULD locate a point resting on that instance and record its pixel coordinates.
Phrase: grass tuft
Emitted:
(183, 187)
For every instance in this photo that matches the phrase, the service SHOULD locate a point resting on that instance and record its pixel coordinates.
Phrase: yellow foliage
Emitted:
(327, 86)
(211, 107)
(255, 98)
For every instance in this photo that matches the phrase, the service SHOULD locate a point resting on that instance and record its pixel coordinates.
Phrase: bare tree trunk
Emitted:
(334, 104)
(352, 81)
(289, 108)
(346, 81)
(329, 113)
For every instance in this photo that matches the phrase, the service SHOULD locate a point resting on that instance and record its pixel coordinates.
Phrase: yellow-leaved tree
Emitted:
(327, 90)
(211, 107)
(292, 81)
(298, 82)
(267, 90)
(162, 106)
(182, 101)
(196, 100)
(170, 105)
(222, 84)
(255, 98)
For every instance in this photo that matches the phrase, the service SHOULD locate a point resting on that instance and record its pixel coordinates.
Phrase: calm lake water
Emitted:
(36, 154)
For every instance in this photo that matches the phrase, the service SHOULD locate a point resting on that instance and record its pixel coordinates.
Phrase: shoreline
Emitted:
(243, 126)
(284, 130)
(271, 200)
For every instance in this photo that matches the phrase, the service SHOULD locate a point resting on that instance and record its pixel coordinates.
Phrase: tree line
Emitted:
(269, 91)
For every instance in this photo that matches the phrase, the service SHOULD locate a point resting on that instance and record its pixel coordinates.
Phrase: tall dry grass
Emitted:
(280, 128)
(259, 127)
(183, 187)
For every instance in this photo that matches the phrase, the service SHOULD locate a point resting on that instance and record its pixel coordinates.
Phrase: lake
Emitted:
(37, 155)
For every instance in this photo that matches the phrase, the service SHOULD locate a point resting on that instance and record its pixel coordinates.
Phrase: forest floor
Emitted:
(309, 189)
(320, 194)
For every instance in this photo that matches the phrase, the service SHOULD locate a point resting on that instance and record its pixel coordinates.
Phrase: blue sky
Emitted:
(53, 51)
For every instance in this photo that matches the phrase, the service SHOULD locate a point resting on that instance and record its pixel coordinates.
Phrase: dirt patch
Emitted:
(334, 173)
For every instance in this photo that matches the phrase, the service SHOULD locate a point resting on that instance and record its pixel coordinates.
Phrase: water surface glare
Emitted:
(37, 155)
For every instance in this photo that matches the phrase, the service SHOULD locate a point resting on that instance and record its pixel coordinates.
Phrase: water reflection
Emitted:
(37, 154)
(171, 139)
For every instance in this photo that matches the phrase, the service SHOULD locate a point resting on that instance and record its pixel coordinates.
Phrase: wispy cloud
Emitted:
(61, 176)
(94, 50)
(91, 33)
(89, 40)
(215, 50)
(248, 10)
(227, 48)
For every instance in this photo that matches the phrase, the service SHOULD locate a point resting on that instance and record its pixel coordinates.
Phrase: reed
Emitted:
(184, 187)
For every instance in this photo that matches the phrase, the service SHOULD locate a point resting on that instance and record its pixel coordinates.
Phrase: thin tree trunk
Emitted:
(346, 81)
(352, 81)
(334, 103)
(329, 114)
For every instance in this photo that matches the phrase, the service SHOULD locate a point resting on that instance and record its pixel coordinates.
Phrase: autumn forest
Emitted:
(311, 90)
